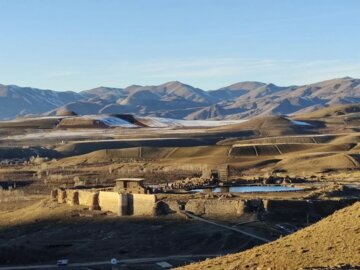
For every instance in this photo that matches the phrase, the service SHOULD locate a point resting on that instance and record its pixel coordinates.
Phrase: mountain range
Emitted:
(181, 101)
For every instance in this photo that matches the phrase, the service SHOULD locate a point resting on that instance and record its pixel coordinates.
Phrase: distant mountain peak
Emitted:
(176, 84)
(175, 99)
(245, 85)
(133, 86)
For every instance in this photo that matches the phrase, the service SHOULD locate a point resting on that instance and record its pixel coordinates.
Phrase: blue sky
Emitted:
(81, 44)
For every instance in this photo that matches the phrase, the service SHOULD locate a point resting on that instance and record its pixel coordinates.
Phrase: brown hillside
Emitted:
(331, 111)
(267, 126)
(334, 242)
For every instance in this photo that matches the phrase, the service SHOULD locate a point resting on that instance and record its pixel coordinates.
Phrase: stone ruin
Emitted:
(131, 185)
(121, 204)
(129, 198)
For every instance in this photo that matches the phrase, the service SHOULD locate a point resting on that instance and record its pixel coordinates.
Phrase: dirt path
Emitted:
(97, 263)
(262, 239)
(353, 161)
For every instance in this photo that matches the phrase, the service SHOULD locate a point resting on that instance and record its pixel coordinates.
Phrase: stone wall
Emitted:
(214, 207)
(113, 202)
(72, 197)
(142, 204)
(89, 199)
(149, 205)
(196, 206)
(61, 195)
(54, 194)
(166, 207)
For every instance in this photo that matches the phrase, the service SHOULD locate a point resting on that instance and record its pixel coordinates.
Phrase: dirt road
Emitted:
(130, 261)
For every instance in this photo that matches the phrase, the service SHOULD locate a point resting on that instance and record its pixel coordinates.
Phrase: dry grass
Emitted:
(11, 196)
(265, 127)
(312, 163)
(331, 243)
(332, 111)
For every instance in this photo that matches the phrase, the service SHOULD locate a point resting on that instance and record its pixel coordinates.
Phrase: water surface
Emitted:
(247, 189)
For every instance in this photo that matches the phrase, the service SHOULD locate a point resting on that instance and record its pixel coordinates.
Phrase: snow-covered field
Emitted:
(110, 121)
(300, 123)
(57, 134)
(22, 119)
(158, 122)
(163, 125)
(153, 122)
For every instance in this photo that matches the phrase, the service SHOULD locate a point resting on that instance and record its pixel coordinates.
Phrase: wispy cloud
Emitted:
(209, 73)
(59, 74)
(270, 70)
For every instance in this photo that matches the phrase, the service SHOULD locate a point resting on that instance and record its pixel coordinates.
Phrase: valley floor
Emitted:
(321, 156)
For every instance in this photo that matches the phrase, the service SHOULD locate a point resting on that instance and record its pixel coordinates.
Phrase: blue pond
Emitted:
(247, 189)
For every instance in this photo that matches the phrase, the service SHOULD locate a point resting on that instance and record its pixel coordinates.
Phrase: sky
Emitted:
(82, 44)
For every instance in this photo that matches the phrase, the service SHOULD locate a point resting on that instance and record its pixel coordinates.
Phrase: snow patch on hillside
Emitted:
(152, 122)
(300, 123)
(158, 122)
(110, 121)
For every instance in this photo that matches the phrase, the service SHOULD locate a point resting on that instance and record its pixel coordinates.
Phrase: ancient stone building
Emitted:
(130, 185)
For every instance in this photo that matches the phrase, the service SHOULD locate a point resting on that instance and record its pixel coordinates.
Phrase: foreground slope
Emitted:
(332, 242)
